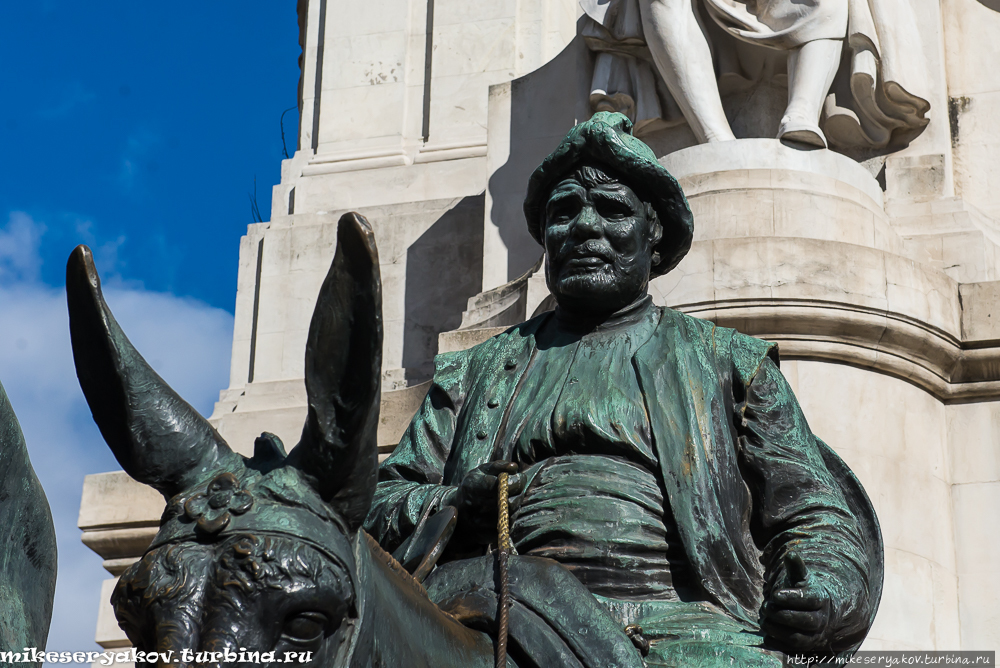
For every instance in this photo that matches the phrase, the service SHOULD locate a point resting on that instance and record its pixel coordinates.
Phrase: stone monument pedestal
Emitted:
(878, 279)
(764, 188)
(795, 246)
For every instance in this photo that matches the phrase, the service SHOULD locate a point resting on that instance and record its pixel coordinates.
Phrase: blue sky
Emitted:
(140, 126)
(137, 128)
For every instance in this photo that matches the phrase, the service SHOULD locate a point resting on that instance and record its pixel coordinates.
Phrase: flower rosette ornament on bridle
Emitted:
(213, 509)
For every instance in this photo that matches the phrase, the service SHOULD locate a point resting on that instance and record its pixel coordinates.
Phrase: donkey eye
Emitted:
(305, 627)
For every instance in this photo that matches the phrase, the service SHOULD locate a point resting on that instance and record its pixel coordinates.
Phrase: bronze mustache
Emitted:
(591, 250)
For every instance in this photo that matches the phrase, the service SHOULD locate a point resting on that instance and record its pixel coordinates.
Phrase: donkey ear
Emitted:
(157, 437)
(338, 453)
(28, 551)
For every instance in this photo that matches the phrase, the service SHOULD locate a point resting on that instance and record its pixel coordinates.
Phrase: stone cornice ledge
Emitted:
(392, 156)
(953, 370)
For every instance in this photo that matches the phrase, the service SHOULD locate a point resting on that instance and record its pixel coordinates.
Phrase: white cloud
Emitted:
(19, 242)
(186, 341)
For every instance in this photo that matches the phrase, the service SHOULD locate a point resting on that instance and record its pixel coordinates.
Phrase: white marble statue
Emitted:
(661, 62)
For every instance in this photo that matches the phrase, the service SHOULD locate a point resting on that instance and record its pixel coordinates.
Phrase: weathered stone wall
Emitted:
(973, 85)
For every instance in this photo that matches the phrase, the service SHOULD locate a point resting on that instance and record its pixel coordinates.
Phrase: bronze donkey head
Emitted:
(262, 560)
(253, 554)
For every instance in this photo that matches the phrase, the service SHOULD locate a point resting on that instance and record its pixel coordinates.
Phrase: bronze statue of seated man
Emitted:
(670, 505)
(662, 460)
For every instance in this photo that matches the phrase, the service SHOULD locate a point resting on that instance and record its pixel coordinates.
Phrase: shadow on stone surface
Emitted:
(543, 106)
(443, 269)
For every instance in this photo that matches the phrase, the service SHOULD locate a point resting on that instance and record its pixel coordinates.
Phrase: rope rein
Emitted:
(633, 631)
(503, 513)
(504, 551)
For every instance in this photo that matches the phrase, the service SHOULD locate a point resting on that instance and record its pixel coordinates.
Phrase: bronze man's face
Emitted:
(599, 239)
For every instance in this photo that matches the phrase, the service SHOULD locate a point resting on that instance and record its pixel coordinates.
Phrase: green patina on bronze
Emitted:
(669, 503)
(606, 141)
(28, 549)
(636, 427)
(691, 373)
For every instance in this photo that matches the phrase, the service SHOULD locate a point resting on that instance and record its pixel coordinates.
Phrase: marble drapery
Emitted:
(876, 100)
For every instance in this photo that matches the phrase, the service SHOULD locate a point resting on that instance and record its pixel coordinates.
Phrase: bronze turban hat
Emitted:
(606, 142)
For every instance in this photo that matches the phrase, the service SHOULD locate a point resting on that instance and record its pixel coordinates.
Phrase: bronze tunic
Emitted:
(594, 499)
